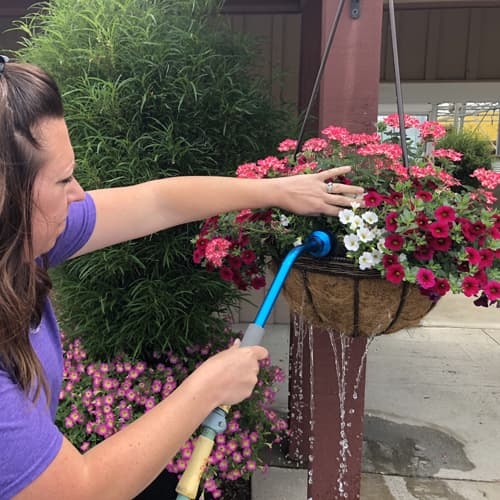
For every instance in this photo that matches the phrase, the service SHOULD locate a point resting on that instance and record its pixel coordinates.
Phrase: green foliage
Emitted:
(477, 152)
(152, 89)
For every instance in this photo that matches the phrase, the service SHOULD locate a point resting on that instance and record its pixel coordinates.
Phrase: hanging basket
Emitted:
(332, 293)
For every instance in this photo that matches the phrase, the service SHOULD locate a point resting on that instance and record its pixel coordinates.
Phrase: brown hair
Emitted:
(28, 96)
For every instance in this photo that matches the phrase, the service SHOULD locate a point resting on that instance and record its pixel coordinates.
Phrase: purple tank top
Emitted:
(29, 439)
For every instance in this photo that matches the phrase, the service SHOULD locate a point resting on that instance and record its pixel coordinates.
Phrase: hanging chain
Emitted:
(397, 77)
(321, 70)
(397, 80)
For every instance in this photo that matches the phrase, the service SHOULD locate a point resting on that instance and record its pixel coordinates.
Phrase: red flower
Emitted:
(440, 244)
(470, 286)
(372, 199)
(394, 242)
(439, 229)
(424, 253)
(258, 282)
(473, 256)
(445, 213)
(391, 222)
(226, 274)
(389, 260)
(423, 195)
(426, 278)
(472, 231)
(394, 198)
(395, 273)
(422, 220)
(442, 287)
(487, 257)
(235, 262)
(198, 255)
(492, 290)
(248, 257)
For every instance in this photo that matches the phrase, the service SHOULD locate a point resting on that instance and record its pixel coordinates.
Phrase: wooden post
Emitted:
(348, 97)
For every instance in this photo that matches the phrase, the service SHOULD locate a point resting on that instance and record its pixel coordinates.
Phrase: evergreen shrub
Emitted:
(477, 152)
(152, 89)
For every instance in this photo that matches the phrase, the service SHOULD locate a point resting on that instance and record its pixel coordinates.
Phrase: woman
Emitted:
(46, 218)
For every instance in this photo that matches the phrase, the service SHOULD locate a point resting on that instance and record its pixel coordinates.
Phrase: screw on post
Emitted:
(355, 9)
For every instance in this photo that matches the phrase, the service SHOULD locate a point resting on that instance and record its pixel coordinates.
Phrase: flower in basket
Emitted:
(415, 223)
(98, 399)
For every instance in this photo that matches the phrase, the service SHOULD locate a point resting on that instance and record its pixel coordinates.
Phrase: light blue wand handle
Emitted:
(318, 244)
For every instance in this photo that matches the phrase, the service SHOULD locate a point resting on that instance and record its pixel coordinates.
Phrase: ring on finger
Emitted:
(329, 187)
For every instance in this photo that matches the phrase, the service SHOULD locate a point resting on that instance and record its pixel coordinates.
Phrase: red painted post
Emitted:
(327, 384)
(348, 97)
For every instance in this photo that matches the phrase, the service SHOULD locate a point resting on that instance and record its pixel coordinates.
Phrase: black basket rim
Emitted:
(335, 266)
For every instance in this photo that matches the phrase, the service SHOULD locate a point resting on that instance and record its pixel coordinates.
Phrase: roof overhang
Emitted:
(296, 6)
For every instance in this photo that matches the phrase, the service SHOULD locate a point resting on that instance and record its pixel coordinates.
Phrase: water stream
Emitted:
(340, 345)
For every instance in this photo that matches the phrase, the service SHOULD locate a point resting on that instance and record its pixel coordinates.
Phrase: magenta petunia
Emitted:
(492, 290)
(248, 256)
(423, 195)
(422, 220)
(424, 253)
(470, 286)
(445, 213)
(389, 260)
(372, 199)
(440, 244)
(394, 242)
(391, 223)
(439, 229)
(226, 274)
(442, 287)
(473, 256)
(426, 278)
(395, 273)
(486, 258)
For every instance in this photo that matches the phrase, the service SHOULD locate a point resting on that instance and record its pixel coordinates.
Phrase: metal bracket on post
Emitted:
(355, 9)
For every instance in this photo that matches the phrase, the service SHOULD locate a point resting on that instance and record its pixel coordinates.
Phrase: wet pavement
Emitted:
(432, 411)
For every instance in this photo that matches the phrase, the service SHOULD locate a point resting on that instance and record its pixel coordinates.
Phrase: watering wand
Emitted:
(318, 244)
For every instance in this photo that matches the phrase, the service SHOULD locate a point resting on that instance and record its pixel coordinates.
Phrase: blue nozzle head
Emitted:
(320, 243)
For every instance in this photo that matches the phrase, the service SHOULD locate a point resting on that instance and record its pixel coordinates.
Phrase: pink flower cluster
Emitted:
(229, 253)
(98, 399)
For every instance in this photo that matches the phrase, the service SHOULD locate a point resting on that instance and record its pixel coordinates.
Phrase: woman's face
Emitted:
(55, 187)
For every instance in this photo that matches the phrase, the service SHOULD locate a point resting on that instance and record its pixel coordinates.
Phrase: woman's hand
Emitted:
(231, 374)
(315, 194)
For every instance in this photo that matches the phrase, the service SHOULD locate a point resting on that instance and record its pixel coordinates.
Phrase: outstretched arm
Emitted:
(130, 212)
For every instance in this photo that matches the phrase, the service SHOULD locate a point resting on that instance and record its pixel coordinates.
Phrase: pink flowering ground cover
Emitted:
(416, 223)
(98, 399)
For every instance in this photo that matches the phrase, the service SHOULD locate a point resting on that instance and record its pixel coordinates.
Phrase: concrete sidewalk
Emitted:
(432, 411)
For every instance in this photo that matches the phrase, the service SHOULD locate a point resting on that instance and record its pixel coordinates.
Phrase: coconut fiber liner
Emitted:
(331, 293)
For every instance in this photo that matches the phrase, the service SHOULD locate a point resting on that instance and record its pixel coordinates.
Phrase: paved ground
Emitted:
(432, 411)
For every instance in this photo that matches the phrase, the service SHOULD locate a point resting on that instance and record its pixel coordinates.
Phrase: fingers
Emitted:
(331, 187)
(335, 172)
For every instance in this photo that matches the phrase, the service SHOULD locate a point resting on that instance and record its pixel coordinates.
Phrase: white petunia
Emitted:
(346, 216)
(365, 234)
(366, 261)
(370, 217)
(377, 257)
(351, 242)
(284, 220)
(355, 205)
(381, 245)
(356, 223)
